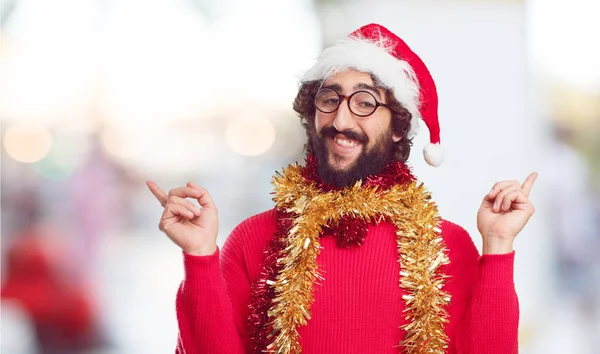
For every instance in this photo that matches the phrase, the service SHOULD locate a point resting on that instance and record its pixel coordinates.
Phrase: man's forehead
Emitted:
(350, 77)
(353, 80)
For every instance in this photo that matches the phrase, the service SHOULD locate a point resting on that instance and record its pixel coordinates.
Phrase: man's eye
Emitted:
(366, 104)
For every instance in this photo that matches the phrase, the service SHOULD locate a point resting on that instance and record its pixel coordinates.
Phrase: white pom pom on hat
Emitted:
(375, 49)
(434, 154)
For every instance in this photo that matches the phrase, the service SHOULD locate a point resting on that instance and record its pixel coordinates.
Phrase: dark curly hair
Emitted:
(305, 108)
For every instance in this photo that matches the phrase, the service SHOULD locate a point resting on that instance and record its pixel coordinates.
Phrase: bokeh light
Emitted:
(65, 156)
(123, 142)
(249, 135)
(27, 142)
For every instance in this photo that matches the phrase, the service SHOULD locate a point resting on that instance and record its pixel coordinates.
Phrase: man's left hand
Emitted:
(503, 213)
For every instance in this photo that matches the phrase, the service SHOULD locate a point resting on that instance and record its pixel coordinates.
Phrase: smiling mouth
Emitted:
(342, 146)
(345, 142)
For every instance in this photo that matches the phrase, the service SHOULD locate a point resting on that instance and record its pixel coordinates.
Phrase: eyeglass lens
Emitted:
(361, 103)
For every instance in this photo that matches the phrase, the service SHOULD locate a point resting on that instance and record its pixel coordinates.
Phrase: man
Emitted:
(354, 258)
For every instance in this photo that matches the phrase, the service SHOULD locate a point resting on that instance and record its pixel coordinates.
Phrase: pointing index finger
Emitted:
(158, 193)
(529, 183)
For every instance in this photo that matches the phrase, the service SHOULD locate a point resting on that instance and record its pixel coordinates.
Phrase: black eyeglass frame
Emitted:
(348, 99)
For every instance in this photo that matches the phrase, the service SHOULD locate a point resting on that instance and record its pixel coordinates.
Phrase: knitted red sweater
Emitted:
(358, 306)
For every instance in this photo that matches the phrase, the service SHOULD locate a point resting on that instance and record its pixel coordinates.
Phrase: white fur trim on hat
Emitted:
(434, 154)
(372, 57)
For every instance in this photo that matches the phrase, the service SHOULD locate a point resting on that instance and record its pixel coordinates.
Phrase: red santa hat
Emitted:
(376, 50)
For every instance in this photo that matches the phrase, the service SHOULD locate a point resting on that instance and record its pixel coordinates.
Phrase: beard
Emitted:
(371, 160)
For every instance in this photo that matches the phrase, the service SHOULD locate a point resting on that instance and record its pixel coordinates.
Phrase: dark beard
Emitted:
(371, 160)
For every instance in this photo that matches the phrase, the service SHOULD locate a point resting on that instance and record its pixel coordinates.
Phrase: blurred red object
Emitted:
(59, 306)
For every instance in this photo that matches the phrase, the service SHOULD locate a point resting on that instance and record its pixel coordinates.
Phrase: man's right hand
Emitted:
(193, 229)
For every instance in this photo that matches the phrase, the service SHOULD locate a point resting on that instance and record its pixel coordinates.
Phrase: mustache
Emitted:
(331, 132)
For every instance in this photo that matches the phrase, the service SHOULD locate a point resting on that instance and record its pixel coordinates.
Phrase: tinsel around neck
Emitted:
(350, 231)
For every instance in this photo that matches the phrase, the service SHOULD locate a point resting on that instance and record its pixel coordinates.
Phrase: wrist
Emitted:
(202, 251)
(492, 245)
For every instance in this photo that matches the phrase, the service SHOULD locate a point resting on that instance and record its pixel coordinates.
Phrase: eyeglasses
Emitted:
(360, 103)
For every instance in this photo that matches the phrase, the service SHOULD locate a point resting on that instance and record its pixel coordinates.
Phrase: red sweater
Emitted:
(358, 306)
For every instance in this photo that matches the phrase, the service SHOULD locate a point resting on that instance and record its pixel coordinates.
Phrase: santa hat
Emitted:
(376, 50)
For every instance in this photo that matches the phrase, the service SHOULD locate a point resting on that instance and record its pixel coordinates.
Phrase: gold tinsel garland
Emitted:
(420, 247)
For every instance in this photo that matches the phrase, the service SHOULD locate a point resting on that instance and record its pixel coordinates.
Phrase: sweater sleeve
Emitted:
(204, 310)
(484, 310)
(212, 301)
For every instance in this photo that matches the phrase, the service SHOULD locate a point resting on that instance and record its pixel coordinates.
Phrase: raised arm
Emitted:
(204, 310)
(484, 309)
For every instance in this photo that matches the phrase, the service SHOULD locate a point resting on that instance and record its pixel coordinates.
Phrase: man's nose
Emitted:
(344, 119)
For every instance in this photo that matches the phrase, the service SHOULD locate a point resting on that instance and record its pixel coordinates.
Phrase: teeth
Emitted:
(345, 142)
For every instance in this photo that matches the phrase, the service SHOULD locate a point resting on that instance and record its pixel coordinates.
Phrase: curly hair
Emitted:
(305, 108)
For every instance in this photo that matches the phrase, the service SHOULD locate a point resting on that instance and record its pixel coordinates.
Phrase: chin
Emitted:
(341, 164)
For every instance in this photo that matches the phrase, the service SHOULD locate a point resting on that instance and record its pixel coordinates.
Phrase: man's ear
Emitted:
(396, 138)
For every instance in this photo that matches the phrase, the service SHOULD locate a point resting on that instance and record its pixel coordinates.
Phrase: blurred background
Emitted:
(98, 96)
